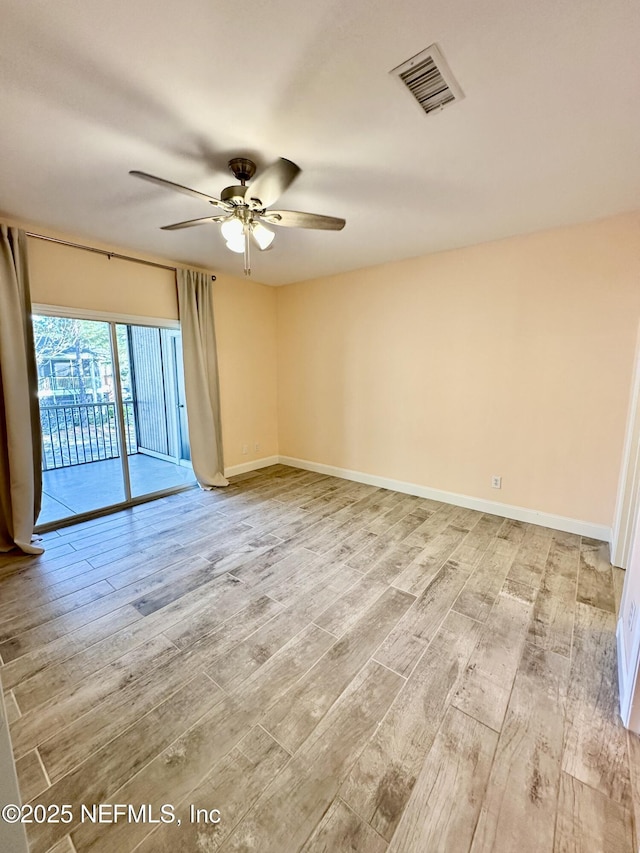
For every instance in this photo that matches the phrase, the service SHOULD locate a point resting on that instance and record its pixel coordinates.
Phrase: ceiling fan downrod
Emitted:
(242, 168)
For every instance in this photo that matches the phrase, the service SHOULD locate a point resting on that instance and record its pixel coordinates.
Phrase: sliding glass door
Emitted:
(152, 386)
(113, 426)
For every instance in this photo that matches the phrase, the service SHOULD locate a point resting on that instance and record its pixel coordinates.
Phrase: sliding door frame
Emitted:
(103, 316)
(113, 320)
(122, 428)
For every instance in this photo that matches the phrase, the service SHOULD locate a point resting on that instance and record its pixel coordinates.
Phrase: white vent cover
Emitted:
(429, 79)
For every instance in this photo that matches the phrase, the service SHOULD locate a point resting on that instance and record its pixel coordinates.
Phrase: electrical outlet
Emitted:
(257, 447)
(245, 449)
(496, 482)
(632, 616)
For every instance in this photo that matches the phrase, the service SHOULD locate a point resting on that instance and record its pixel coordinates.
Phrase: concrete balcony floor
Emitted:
(94, 485)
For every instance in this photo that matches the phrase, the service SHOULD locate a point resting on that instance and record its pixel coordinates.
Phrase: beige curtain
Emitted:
(195, 305)
(20, 448)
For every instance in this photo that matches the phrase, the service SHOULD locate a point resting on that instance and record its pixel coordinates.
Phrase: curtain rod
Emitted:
(104, 252)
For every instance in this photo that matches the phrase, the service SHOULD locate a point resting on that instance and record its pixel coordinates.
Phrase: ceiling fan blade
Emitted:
(296, 219)
(190, 222)
(269, 186)
(170, 184)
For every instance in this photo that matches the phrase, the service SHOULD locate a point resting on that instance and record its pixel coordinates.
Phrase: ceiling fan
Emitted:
(246, 208)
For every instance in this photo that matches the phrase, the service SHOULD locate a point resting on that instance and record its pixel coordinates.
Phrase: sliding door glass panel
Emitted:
(158, 459)
(81, 461)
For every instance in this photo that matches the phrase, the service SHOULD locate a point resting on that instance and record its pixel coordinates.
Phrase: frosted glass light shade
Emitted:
(264, 237)
(236, 244)
(231, 229)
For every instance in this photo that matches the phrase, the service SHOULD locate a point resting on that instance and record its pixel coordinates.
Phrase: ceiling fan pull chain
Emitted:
(247, 250)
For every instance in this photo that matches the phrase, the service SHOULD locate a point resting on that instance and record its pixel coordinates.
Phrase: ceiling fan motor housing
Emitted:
(243, 168)
(235, 195)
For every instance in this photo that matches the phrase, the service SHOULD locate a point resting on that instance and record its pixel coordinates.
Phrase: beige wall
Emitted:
(511, 358)
(245, 326)
(247, 352)
(72, 278)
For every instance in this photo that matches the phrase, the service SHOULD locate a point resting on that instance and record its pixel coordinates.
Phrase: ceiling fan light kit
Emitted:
(263, 236)
(232, 228)
(236, 244)
(246, 208)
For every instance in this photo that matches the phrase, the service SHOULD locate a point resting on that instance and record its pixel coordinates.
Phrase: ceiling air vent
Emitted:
(429, 79)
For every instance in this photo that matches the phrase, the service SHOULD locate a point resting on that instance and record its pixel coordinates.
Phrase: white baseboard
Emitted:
(628, 681)
(245, 467)
(623, 681)
(531, 516)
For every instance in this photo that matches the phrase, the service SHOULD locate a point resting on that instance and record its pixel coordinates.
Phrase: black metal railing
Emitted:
(83, 432)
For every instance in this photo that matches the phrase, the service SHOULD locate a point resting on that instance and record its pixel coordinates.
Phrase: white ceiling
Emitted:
(548, 133)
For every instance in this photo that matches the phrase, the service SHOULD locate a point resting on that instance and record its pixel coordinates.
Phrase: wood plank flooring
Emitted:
(333, 666)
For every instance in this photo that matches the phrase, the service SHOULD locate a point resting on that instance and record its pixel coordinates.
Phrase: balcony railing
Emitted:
(83, 432)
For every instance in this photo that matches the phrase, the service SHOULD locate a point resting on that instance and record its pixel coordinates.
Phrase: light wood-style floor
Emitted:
(335, 667)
